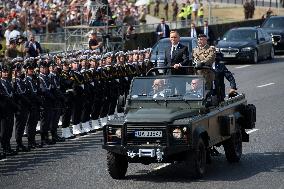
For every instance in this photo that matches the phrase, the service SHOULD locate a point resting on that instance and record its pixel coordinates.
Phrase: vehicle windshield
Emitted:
(274, 23)
(168, 88)
(240, 35)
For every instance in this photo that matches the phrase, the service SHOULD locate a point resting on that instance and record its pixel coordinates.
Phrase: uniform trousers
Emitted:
(33, 118)
(7, 124)
(21, 121)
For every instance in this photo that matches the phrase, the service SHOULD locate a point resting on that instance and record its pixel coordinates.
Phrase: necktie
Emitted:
(173, 51)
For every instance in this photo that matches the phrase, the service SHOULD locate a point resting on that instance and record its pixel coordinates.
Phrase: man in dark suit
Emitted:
(208, 32)
(222, 72)
(32, 47)
(176, 55)
(162, 30)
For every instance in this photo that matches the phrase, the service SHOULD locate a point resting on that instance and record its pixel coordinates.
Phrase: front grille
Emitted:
(229, 50)
(131, 139)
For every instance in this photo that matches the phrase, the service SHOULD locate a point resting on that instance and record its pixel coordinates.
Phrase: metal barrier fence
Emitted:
(263, 3)
(77, 37)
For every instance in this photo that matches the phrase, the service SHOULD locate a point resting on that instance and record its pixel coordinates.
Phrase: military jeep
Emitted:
(178, 126)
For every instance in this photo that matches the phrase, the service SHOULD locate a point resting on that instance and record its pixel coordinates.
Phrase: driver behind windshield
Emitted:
(158, 88)
(196, 89)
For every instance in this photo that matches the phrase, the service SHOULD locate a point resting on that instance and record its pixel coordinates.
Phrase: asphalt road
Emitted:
(81, 163)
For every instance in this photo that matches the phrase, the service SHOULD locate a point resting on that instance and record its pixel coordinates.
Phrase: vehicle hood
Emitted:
(159, 115)
(274, 31)
(234, 44)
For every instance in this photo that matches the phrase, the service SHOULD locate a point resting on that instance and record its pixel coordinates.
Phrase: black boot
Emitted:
(45, 140)
(21, 148)
(9, 151)
(57, 138)
(2, 155)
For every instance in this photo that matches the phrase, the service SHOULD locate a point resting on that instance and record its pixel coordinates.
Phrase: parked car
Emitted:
(158, 50)
(274, 26)
(245, 44)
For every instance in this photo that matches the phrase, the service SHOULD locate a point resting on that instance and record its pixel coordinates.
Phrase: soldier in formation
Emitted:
(83, 88)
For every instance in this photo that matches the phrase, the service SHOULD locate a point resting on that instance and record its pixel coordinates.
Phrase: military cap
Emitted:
(18, 59)
(135, 51)
(18, 66)
(83, 57)
(5, 68)
(202, 35)
(29, 65)
(108, 54)
(87, 52)
(42, 63)
(119, 53)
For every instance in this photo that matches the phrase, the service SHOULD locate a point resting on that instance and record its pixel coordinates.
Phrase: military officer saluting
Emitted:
(204, 55)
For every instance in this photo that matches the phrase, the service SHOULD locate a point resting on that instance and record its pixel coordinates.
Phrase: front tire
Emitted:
(255, 57)
(117, 165)
(272, 54)
(197, 160)
(233, 147)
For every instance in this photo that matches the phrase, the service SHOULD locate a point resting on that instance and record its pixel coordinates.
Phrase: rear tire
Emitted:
(117, 165)
(233, 147)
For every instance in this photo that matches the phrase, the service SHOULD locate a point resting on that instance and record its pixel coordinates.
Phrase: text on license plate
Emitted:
(148, 134)
(229, 55)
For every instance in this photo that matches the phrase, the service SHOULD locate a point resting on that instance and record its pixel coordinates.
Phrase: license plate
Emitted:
(148, 134)
(229, 55)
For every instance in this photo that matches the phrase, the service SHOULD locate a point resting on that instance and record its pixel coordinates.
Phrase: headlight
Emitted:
(177, 133)
(118, 133)
(247, 49)
(113, 134)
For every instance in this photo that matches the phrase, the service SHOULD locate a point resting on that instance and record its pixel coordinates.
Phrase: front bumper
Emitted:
(153, 154)
(242, 55)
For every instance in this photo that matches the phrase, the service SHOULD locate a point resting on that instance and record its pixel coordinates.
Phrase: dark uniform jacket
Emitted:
(222, 72)
(179, 56)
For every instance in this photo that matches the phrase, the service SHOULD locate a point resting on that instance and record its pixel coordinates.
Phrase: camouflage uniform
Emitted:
(205, 56)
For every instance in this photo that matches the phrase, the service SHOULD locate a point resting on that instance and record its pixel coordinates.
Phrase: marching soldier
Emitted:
(10, 107)
(78, 92)
(58, 103)
(204, 55)
(23, 103)
(98, 91)
(48, 99)
(88, 94)
(66, 88)
(32, 94)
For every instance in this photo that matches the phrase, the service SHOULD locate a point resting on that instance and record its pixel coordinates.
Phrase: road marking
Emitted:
(250, 131)
(238, 67)
(3, 159)
(265, 85)
(161, 166)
